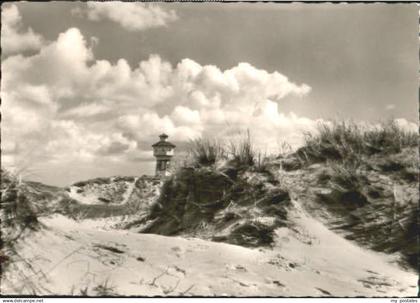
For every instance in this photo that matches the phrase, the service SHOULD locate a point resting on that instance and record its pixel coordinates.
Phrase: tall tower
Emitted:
(163, 152)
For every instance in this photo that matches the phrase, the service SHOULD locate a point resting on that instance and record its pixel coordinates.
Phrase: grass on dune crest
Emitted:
(344, 141)
(348, 141)
(205, 152)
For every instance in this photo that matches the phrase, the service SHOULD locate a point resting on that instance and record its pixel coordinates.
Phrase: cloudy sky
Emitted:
(87, 87)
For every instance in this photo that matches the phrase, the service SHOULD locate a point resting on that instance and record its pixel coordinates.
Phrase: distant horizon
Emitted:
(88, 87)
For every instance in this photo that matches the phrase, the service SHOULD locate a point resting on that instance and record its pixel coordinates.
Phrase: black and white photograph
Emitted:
(209, 149)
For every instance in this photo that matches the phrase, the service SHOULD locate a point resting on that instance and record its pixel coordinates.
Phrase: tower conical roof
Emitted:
(163, 142)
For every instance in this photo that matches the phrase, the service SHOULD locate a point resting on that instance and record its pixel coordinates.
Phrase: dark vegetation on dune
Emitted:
(348, 142)
(17, 214)
(226, 203)
(209, 203)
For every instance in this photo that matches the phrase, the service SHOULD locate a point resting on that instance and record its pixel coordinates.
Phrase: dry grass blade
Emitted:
(206, 152)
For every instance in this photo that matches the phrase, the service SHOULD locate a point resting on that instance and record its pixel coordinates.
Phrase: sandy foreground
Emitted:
(68, 257)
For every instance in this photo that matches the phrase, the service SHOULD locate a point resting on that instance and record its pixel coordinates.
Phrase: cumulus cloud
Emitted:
(72, 140)
(184, 115)
(14, 38)
(98, 109)
(131, 16)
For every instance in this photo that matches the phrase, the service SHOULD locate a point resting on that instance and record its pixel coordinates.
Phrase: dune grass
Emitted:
(17, 215)
(243, 152)
(348, 141)
(17, 211)
(204, 152)
(352, 150)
